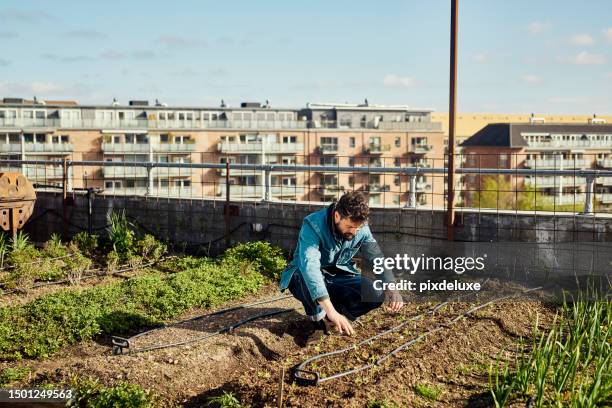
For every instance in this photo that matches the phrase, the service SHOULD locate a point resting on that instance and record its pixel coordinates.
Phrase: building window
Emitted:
(289, 139)
(396, 180)
(351, 141)
(351, 181)
(351, 161)
(398, 142)
(397, 162)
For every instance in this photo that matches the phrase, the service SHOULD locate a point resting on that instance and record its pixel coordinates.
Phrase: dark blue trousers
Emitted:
(351, 295)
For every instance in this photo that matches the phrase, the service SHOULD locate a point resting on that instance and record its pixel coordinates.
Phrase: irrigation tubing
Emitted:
(308, 377)
(121, 343)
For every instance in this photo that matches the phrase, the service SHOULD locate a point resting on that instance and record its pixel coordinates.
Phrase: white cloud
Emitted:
(537, 27)
(395, 81)
(531, 79)
(608, 34)
(587, 58)
(480, 58)
(38, 88)
(582, 39)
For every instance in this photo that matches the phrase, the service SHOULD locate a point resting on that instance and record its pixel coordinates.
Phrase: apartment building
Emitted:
(539, 145)
(253, 133)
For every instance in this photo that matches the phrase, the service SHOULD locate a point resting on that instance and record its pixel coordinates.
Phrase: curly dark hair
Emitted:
(353, 205)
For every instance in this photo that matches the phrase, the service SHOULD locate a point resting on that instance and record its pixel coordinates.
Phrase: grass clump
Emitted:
(427, 391)
(10, 375)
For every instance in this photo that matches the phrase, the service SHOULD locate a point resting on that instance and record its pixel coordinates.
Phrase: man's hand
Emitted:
(394, 300)
(341, 322)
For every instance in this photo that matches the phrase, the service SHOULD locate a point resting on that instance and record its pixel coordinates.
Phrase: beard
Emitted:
(346, 235)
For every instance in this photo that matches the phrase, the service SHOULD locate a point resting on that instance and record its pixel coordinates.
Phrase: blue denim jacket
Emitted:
(319, 247)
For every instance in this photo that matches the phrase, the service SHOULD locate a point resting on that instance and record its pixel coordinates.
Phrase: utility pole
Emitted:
(450, 189)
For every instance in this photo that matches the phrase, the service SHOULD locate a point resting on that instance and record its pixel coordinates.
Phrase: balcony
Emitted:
(126, 147)
(118, 172)
(329, 189)
(258, 191)
(225, 147)
(565, 199)
(375, 148)
(49, 148)
(328, 149)
(34, 172)
(174, 192)
(605, 163)
(174, 147)
(10, 147)
(422, 186)
(604, 198)
(420, 148)
(553, 181)
(376, 188)
(556, 163)
(606, 181)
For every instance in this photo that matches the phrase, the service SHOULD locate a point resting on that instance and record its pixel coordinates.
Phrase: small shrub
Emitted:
(268, 259)
(149, 248)
(91, 394)
(226, 400)
(121, 235)
(20, 241)
(86, 243)
(10, 375)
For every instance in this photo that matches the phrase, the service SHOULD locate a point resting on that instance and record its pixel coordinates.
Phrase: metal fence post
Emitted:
(268, 183)
(149, 178)
(588, 203)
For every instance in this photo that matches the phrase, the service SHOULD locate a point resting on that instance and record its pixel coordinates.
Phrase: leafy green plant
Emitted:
(10, 375)
(268, 259)
(40, 328)
(226, 400)
(149, 248)
(20, 241)
(91, 394)
(430, 392)
(87, 243)
(121, 235)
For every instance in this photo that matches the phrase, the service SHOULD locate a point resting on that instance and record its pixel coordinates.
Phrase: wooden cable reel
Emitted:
(17, 197)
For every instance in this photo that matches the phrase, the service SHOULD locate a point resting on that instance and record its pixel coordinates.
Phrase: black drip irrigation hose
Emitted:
(308, 377)
(121, 343)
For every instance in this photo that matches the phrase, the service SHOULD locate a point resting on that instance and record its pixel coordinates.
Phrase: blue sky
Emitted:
(546, 56)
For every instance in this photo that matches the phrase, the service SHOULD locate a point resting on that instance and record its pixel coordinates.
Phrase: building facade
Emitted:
(319, 134)
(543, 146)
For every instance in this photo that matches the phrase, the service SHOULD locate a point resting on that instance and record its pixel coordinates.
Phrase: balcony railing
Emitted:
(375, 148)
(605, 198)
(556, 163)
(420, 148)
(174, 147)
(376, 188)
(328, 149)
(259, 191)
(45, 148)
(154, 191)
(126, 147)
(42, 172)
(553, 181)
(605, 163)
(116, 172)
(225, 147)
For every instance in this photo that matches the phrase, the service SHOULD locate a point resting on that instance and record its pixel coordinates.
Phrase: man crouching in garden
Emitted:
(322, 274)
